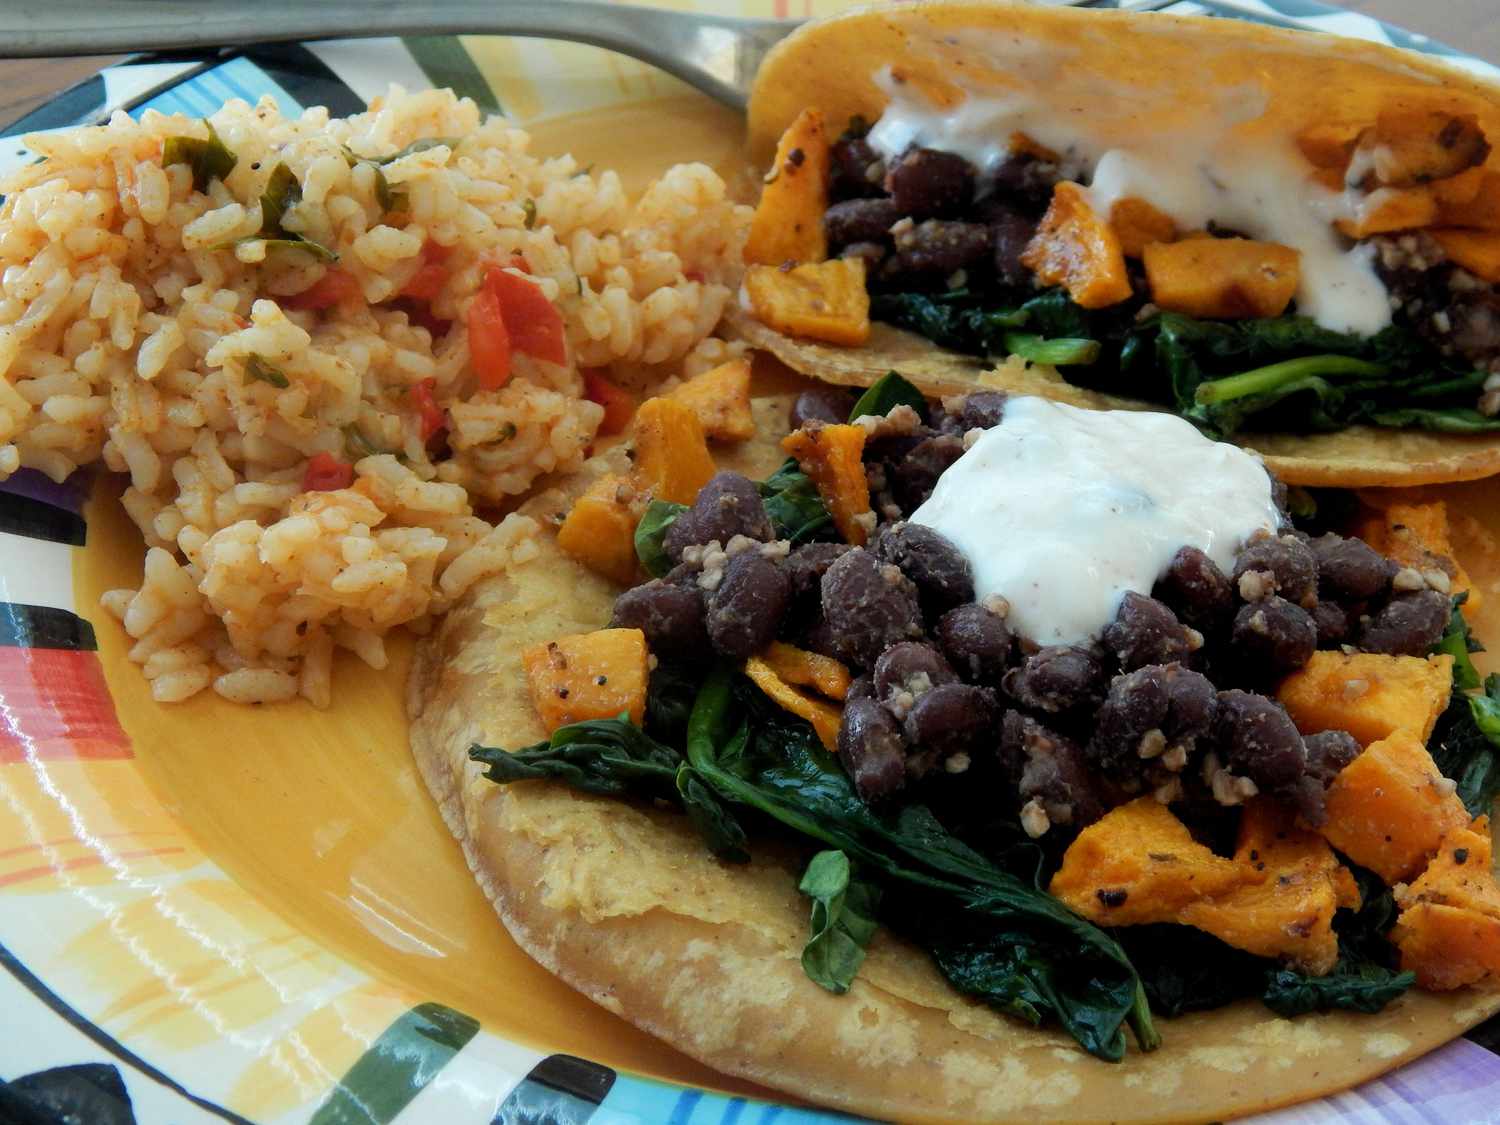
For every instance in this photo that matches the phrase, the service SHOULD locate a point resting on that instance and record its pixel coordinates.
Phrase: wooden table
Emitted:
(1473, 25)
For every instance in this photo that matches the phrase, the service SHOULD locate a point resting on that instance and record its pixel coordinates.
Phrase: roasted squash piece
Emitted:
(1290, 914)
(585, 676)
(671, 453)
(1417, 535)
(721, 399)
(824, 716)
(1390, 209)
(1390, 808)
(1411, 145)
(599, 530)
(788, 221)
(1477, 251)
(831, 456)
(1329, 145)
(1481, 212)
(827, 301)
(1449, 927)
(1229, 278)
(1370, 695)
(1139, 864)
(1137, 224)
(1075, 248)
(823, 674)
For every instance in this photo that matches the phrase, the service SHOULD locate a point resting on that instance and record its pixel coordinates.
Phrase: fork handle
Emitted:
(728, 47)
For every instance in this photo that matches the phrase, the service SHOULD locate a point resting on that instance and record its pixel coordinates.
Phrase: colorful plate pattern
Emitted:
(191, 928)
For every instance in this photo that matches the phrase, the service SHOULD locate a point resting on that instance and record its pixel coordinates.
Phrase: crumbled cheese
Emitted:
(1256, 584)
(1437, 580)
(956, 763)
(1408, 579)
(1034, 819)
(1175, 758)
(1153, 743)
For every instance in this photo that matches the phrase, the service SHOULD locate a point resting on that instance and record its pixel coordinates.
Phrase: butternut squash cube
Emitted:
(1329, 145)
(823, 674)
(1290, 914)
(721, 399)
(832, 457)
(584, 676)
(1410, 145)
(1137, 224)
(1390, 808)
(1391, 209)
(1370, 695)
(1481, 212)
(1418, 535)
(826, 301)
(1139, 864)
(1227, 278)
(824, 716)
(599, 530)
(1449, 927)
(1477, 251)
(788, 221)
(671, 453)
(1075, 248)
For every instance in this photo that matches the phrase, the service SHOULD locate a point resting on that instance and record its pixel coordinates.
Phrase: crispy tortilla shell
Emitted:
(626, 905)
(1126, 75)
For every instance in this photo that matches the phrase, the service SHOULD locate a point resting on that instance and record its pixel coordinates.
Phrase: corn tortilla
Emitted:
(626, 905)
(1127, 74)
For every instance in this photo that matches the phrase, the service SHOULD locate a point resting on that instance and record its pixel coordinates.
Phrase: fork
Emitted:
(717, 54)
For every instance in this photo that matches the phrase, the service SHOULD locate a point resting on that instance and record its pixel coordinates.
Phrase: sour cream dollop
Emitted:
(1061, 511)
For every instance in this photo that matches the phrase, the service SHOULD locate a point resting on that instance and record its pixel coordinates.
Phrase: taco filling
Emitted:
(1349, 274)
(1067, 698)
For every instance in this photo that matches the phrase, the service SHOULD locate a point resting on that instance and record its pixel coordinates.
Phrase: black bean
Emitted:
(913, 478)
(1277, 565)
(930, 560)
(976, 642)
(860, 687)
(1408, 624)
(981, 410)
(746, 609)
(1052, 769)
(821, 404)
(939, 247)
(1273, 636)
(1196, 590)
(1255, 737)
(817, 636)
(910, 668)
(1336, 623)
(860, 220)
(1145, 631)
(1057, 678)
(870, 606)
(950, 719)
(805, 567)
(1149, 712)
(1010, 233)
(1350, 568)
(728, 505)
(856, 169)
(925, 183)
(1026, 181)
(871, 749)
(671, 616)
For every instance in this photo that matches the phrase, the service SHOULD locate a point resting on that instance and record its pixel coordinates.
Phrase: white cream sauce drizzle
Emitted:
(1061, 511)
(1195, 176)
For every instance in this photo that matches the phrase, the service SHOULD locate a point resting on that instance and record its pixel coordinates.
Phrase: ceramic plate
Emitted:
(210, 912)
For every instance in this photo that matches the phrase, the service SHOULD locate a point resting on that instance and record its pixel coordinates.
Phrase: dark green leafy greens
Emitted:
(1465, 743)
(843, 920)
(797, 511)
(209, 159)
(885, 394)
(1003, 940)
(1283, 373)
(1460, 644)
(649, 533)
